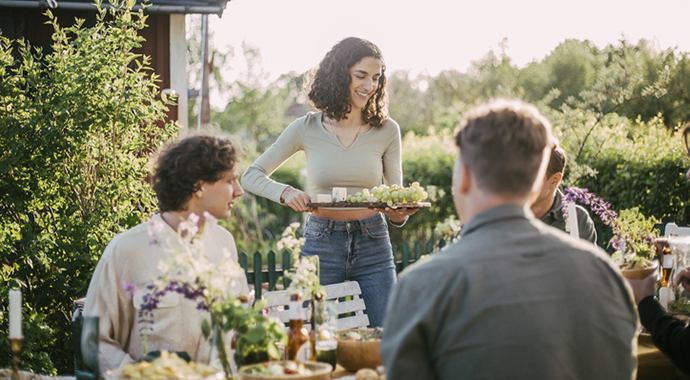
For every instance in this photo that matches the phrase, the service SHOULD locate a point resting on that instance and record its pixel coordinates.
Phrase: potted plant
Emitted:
(634, 234)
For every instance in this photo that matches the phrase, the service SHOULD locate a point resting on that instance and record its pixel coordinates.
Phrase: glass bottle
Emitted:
(298, 338)
(667, 266)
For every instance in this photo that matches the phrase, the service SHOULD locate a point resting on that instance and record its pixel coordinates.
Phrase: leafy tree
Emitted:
(78, 127)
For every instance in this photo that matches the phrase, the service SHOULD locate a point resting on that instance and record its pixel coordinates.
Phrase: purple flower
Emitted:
(622, 240)
(130, 288)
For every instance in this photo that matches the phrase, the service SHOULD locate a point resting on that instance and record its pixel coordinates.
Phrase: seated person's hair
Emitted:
(184, 164)
(557, 162)
(502, 142)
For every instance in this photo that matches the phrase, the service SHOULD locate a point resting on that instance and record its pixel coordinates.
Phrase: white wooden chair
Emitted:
(673, 229)
(356, 305)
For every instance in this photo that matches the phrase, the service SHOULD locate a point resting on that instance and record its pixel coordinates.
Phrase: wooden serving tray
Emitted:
(369, 204)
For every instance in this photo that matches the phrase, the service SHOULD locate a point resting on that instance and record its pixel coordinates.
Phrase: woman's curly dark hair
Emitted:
(329, 90)
(184, 164)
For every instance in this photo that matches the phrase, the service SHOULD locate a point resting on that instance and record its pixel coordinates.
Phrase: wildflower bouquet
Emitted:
(290, 242)
(304, 276)
(634, 234)
(212, 284)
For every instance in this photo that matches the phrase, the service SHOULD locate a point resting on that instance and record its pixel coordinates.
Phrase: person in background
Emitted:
(512, 298)
(350, 142)
(547, 206)
(196, 175)
(669, 334)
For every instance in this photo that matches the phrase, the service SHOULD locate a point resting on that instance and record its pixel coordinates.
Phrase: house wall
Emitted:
(30, 24)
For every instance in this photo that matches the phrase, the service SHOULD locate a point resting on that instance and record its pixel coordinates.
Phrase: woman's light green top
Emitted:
(373, 157)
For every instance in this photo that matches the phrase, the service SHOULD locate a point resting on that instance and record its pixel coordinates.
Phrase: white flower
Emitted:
(294, 225)
(288, 231)
(210, 219)
(194, 218)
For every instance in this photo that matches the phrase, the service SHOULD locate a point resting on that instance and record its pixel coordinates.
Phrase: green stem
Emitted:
(220, 346)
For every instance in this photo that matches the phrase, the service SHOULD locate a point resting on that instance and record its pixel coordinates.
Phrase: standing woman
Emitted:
(350, 142)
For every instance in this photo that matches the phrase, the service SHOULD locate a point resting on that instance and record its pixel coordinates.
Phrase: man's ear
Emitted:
(199, 193)
(554, 180)
(467, 179)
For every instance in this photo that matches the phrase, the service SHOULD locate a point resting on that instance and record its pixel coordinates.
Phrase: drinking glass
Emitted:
(326, 321)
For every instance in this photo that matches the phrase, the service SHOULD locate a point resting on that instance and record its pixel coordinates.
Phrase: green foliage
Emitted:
(78, 126)
(428, 160)
(257, 334)
(37, 334)
(642, 165)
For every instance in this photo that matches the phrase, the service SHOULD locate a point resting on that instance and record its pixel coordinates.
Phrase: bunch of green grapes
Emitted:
(390, 195)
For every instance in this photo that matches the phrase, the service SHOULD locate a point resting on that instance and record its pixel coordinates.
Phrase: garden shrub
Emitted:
(644, 167)
(78, 127)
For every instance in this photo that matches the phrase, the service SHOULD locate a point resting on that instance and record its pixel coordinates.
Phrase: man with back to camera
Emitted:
(512, 298)
(197, 175)
(547, 206)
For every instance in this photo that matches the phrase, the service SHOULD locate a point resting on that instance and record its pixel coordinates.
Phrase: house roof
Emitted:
(156, 6)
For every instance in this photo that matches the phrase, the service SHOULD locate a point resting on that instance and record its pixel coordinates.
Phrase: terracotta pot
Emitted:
(638, 274)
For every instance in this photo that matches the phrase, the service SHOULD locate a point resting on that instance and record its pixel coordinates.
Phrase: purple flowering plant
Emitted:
(634, 234)
(212, 284)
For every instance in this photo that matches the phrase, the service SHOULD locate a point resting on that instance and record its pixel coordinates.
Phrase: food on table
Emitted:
(679, 307)
(638, 263)
(361, 335)
(390, 195)
(167, 366)
(280, 368)
(366, 374)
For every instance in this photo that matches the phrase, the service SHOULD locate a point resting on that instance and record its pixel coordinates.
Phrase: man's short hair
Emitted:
(502, 142)
(184, 164)
(557, 161)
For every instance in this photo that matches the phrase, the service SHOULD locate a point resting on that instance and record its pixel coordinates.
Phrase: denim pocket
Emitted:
(313, 233)
(377, 231)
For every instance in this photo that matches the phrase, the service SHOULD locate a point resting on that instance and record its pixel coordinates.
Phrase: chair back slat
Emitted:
(354, 322)
(352, 304)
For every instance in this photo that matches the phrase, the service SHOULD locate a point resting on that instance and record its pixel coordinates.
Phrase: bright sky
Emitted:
(432, 35)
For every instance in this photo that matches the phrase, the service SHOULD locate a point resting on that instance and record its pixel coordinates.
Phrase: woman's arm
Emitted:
(392, 172)
(669, 334)
(392, 157)
(256, 179)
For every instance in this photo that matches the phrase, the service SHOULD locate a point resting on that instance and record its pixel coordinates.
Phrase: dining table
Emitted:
(652, 364)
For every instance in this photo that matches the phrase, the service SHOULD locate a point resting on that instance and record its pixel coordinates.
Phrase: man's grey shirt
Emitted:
(512, 299)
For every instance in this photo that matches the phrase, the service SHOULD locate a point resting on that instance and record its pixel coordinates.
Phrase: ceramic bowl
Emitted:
(355, 355)
(320, 371)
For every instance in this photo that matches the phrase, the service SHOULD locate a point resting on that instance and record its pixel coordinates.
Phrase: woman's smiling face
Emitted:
(364, 80)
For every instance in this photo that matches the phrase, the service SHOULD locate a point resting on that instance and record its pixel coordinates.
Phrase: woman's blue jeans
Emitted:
(356, 250)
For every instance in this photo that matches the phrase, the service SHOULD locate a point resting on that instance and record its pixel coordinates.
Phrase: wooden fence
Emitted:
(265, 277)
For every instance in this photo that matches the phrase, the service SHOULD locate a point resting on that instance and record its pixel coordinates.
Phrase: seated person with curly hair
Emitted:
(196, 175)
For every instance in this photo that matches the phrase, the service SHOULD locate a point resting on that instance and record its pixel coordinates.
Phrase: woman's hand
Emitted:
(683, 278)
(297, 200)
(397, 215)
